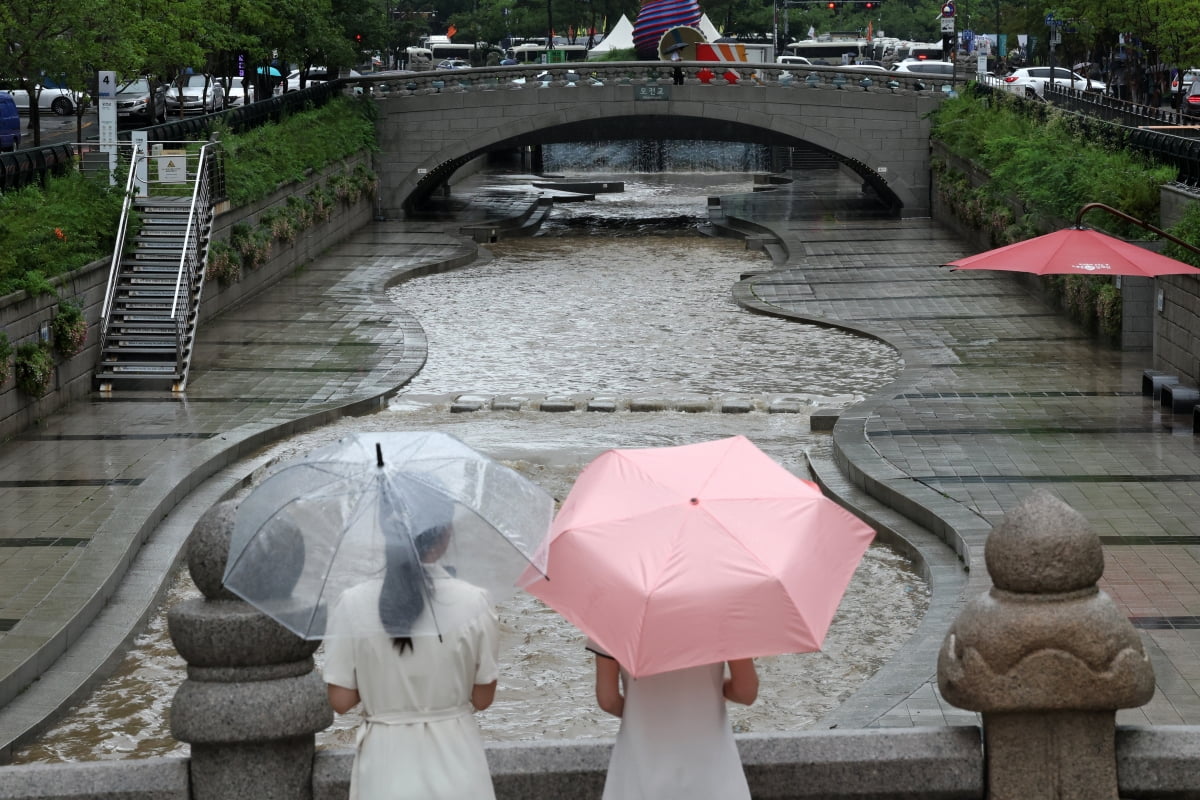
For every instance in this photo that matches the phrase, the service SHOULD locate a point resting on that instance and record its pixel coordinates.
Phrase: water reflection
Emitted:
(568, 313)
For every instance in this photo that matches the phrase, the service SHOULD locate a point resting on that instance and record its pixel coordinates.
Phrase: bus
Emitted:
(829, 49)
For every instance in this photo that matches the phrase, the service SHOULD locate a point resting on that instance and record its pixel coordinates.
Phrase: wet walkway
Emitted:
(90, 484)
(999, 396)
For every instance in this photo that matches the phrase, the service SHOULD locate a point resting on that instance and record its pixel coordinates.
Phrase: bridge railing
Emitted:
(652, 75)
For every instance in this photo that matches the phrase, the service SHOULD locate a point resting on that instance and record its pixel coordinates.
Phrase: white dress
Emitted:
(419, 738)
(675, 741)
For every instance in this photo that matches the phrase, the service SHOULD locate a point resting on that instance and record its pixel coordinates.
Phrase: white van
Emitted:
(794, 61)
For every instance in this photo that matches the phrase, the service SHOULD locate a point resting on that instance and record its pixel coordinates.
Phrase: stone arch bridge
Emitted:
(433, 123)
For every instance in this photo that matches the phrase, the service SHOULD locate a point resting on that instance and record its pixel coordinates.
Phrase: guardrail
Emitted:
(584, 74)
(23, 167)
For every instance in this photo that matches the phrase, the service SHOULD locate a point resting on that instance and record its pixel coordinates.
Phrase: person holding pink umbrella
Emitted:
(681, 562)
(675, 739)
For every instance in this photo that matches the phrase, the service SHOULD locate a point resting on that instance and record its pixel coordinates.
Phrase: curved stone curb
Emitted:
(124, 582)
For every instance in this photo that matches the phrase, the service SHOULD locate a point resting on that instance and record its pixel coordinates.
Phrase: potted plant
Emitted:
(68, 329)
(34, 368)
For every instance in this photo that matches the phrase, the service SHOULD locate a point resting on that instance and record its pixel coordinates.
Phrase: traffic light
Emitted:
(832, 5)
(870, 5)
(358, 38)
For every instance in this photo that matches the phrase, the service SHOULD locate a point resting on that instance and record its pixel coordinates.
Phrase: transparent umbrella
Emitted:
(414, 503)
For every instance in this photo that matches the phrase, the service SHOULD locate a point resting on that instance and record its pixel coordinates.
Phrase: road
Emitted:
(59, 130)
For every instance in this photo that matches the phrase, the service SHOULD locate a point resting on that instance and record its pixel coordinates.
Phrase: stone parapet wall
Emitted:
(928, 763)
(23, 317)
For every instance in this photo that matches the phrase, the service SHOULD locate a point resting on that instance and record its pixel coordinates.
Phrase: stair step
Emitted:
(138, 368)
(142, 346)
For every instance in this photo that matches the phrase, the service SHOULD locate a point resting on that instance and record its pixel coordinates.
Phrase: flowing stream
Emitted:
(621, 297)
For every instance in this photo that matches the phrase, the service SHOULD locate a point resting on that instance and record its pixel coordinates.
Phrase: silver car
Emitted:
(195, 94)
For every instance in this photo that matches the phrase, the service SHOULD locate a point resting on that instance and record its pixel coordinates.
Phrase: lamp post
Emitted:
(549, 29)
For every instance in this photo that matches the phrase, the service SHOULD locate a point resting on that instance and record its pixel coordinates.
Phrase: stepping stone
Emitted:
(823, 420)
(557, 404)
(507, 403)
(693, 405)
(601, 404)
(649, 404)
(737, 405)
(466, 403)
(784, 406)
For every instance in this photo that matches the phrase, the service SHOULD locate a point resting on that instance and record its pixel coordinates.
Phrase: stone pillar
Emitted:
(1047, 658)
(252, 702)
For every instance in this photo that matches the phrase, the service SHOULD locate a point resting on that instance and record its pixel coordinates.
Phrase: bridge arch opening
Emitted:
(680, 128)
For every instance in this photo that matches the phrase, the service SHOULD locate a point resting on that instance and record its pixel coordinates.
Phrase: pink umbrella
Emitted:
(1076, 251)
(674, 557)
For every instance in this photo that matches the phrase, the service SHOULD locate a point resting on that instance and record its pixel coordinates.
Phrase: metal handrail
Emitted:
(119, 245)
(1135, 221)
(189, 257)
(199, 194)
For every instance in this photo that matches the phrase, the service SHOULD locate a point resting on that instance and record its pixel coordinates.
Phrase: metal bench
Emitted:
(1153, 380)
(1179, 398)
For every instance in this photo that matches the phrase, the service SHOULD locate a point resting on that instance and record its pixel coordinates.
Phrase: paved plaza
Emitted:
(999, 396)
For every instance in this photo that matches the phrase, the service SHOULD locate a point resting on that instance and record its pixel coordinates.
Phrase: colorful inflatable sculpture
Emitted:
(655, 18)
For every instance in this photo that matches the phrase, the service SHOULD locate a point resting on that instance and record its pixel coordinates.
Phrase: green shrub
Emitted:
(6, 352)
(224, 263)
(1053, 161)
(34, 368)
(1108, 311)
(68, 329)
(259, 161)
(45, 232)
(1187, 229)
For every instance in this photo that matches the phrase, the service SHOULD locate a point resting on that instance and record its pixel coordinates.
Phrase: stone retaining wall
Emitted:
(1177, 304)
(24, 318)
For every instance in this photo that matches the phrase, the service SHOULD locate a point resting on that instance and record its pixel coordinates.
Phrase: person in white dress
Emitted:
(675, 740)
(419, 738)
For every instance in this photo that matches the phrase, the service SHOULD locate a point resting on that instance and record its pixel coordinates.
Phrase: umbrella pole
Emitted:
(1135, 221)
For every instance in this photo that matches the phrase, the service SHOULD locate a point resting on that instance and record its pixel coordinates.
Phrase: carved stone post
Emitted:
(1047, 658)
(252, 703)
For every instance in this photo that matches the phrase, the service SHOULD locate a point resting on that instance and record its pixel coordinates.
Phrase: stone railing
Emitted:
(1044, 655)
(647, 74)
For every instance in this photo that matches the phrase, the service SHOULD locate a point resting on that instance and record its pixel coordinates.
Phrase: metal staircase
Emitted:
(152, 303)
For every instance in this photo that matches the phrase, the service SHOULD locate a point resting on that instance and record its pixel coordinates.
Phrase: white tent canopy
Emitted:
(619, 38)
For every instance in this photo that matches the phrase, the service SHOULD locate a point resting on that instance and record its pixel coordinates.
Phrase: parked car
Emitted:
(315, 75)
(50, 99)
(237, 92)
(195, 94)
(1190, 104)
(453, 63)
(10, 123)
(794, 61)
(141, 100)
(1033, 80)
(1181, 83)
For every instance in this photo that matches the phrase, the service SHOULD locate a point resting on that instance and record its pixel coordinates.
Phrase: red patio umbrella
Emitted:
(1075, 251)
